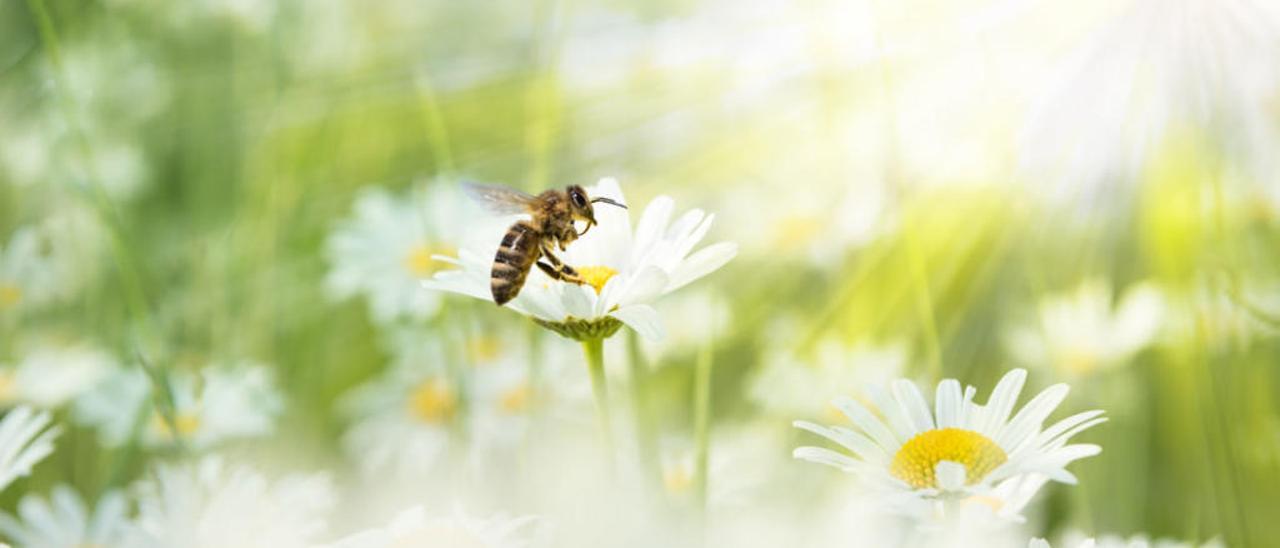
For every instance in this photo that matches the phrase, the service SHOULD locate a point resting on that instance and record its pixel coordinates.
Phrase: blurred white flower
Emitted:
(386, 250)
(26, 273)
(215, 504)
(800, 386)
(221, 402)
(1077, 539)
(405, 418)
(624, 271)
(414, 529)
(25, 439)
(1081, 332)
(918, 458)
(49, 376)
(65, 521)
(819, 227)
(1153, 67)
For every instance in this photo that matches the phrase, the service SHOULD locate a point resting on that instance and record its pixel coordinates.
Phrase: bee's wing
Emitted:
(499, 199)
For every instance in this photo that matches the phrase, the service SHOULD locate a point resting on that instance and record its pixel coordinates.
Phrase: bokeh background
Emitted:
(919, 188)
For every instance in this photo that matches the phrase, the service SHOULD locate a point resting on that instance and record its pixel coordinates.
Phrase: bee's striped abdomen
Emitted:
(516, 254)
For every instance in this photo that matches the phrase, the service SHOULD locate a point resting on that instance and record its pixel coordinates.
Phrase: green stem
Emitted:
(646, 439)
(702, 422)
(594, 350)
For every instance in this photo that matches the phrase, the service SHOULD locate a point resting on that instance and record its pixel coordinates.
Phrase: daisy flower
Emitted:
(48, 377)
(800, 386)
(1081, 332)
(960, 450)
(65, 521)
(625, 270)
(213, 504)
(219, 403)
(403, 420)
(1111, 541)
(26, 269)
(386, 249)
(414, 529)
(25, 439)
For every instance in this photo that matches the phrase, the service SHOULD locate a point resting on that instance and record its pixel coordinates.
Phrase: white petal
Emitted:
(853, 441)
(868, 422)
(913, 404)
(1001, 403)
(1031, 418)
(947, 403)
(645, 286)
(703, 262)
(951, 475)
(653, 223)
(642, 318)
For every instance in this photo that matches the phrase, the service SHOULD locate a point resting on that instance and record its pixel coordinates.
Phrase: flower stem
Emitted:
(702, 422)
(646, 439)
(594, 350)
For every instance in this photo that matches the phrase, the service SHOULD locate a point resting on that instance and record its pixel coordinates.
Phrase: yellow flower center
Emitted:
(596, 276)
(483, 349)
(915, 461)
(677, 479)
(1079, 362)
(9, 295)
(419, 262)
(8, 385)
(185, 423)
(516, 400)
(433, 401)
(798, 230)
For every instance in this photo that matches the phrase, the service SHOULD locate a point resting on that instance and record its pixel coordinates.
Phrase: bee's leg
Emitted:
(558, 270)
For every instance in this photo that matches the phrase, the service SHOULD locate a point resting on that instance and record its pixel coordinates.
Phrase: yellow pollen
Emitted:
(433, 401)
(596, 276)
(915, 461)
(419, 262)
(9, 295)
(185, 423)
(516, 400)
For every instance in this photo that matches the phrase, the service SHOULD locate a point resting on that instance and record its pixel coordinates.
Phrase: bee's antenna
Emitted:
(607, 201)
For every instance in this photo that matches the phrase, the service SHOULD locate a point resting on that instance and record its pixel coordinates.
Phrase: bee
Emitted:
(551, 225)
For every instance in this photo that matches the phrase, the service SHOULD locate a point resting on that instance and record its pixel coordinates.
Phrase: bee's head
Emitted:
(581, 205)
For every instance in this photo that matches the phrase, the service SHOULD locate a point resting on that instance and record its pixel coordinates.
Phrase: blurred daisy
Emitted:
(1081, 332)
(1111, 541)
(25, 439)
(1154, 66)
(405, 418)
(48, 377)
(625, 271)
(961, 450)
(65, 521)
(213, 504)
(219, 403)
(385, 251)
(414, 529)
(26, 269)
(799, 386)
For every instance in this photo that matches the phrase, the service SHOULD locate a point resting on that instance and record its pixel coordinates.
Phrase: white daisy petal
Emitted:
(951, 475)
(642, 318)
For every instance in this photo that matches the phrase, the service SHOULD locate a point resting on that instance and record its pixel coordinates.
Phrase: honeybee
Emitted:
(553, 215)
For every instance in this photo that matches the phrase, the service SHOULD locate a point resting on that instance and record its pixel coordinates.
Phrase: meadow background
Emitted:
(916, 187)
